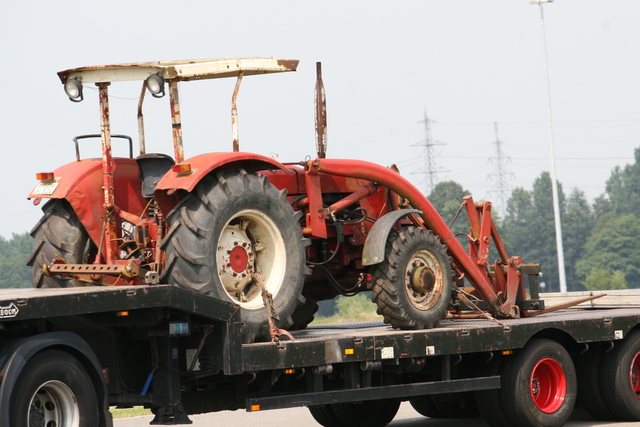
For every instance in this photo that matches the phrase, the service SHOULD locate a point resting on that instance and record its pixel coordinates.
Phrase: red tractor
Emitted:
(248, 229)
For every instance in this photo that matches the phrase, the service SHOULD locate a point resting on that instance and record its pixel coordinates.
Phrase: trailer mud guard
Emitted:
(15, 354)
(374, 246)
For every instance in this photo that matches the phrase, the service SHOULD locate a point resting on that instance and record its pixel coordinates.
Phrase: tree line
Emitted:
(14, 272)
(600, 239)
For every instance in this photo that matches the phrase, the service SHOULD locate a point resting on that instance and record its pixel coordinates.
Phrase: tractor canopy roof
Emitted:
(185, 70)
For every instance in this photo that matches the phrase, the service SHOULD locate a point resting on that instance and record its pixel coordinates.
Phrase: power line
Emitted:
(501, 175)
(428, 154)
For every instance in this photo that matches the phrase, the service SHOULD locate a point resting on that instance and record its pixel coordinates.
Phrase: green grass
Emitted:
(358, 308)
(136, 411)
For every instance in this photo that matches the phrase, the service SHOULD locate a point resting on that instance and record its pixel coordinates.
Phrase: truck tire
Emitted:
(370, 413)
(58, 233)
(325, 416)
(621, 378)
(413, 286)
(590, 390)
(424, 406)
(229, 228)
(450, 405)
(490, 401)
(539, 385)
(54, 389)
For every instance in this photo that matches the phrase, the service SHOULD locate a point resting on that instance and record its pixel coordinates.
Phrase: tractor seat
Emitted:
(153, 166)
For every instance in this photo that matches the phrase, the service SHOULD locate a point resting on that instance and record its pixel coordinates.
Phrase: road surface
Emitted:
(300, 417)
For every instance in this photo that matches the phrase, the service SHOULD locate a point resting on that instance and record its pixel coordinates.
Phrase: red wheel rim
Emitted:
(548, 385)
(634, 375)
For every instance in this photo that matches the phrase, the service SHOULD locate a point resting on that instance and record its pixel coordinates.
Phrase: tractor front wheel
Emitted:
(413, 286)
(230, 234)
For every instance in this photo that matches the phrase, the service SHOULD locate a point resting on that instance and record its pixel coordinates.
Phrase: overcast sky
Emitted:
(469, 63)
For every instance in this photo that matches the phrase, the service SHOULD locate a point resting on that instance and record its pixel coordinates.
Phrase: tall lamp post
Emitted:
(554, 181)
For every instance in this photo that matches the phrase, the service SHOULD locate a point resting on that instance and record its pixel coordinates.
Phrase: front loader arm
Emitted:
(433, 221)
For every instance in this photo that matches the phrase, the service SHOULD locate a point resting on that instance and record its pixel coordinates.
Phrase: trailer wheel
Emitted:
(621, 378)
(325, 416)
(371, 413)
(227, 230)
(450, 405)
(590, 391)
(539, 385)
(58, 233)
(425, 406)
(413, 286)
(489, 402)
(54, 389)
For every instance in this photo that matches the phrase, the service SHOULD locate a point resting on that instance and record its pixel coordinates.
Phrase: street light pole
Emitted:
(554, 181)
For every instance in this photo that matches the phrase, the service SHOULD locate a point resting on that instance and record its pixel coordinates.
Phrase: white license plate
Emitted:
(45, 188)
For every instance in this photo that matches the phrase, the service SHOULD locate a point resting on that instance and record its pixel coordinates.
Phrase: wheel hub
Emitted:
(53, 405)
(239, 259)
(422, 279)
(235, 258)
(548, 385)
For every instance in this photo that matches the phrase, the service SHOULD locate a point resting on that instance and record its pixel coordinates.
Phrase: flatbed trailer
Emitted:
(81, 350)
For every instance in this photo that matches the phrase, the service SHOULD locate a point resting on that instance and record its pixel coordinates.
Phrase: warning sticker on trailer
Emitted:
(10, 311)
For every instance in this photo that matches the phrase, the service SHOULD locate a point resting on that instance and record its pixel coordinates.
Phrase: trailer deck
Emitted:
(320, 345)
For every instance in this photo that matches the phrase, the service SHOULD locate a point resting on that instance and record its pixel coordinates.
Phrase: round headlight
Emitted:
(155, 84)
(73, 89)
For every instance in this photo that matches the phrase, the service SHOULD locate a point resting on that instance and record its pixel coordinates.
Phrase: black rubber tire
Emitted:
(550, 361)
(425, 406)
(456, 405)
(325, 416)
(398, 303)
(231, 211)
(621, 376)
(590, 390)
(370, 413)
(304, 314)
(490, 401)
(58, 233)
(50, 382)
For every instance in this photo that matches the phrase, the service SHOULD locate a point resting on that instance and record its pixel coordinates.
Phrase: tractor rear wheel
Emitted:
(413, 286)
(227, 232)
(304, 314)
(59, 233)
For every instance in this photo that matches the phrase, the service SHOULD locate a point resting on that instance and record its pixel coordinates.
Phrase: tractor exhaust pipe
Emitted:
(321, 114)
